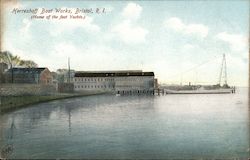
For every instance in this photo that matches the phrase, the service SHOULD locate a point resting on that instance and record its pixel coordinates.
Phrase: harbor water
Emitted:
(148, 127)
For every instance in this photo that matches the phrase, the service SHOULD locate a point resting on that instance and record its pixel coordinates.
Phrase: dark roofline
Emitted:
(27, 68)
(21, 70)
(110, 71)
(112, 74)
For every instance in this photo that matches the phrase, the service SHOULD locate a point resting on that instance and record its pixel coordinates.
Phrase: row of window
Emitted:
(131, 86)
(132, 79)
(108, 79)
(94, 86)
(92, 79)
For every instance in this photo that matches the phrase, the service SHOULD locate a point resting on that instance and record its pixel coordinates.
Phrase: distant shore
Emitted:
(10, 103)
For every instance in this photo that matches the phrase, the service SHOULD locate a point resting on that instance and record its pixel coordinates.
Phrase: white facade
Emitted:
(134, 84)
(121, 82)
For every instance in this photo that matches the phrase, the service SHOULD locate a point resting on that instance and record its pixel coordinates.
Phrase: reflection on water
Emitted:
(171, 126)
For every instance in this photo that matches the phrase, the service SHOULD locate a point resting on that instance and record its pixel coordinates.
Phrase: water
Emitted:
(152, 127)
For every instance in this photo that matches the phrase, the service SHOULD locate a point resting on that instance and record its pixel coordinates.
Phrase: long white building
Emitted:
(120, 82)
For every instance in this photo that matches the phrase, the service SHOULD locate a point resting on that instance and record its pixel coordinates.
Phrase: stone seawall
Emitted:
(26, 89)
(8, 103)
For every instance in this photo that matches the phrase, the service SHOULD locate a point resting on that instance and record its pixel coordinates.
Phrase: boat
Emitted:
(201, 91)
(209, 89)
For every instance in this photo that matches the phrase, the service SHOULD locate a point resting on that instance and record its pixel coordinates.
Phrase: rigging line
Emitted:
(184, 72)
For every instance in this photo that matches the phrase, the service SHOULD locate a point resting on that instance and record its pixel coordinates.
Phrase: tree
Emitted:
(28, 63)
(9, 59)
(4, 57)
(14, 61)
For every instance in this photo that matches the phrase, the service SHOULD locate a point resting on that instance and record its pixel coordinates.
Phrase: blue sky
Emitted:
(167, 37)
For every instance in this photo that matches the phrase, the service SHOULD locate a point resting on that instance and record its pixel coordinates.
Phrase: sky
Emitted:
(180, 41)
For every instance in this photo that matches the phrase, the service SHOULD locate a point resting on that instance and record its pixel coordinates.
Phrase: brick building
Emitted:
(29, 75)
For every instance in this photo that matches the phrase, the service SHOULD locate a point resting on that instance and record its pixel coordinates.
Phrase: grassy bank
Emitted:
(9, 103)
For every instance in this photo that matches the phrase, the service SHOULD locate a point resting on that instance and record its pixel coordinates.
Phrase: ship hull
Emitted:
(218, 91)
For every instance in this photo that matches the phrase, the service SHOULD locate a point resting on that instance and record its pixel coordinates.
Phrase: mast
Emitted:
(69, 70)
(223, 68)
(224, 57)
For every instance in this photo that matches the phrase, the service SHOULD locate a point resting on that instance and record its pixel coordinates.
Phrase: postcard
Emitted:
(120, 79)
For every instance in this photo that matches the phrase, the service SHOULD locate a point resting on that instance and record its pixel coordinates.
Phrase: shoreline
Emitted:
(11, 103)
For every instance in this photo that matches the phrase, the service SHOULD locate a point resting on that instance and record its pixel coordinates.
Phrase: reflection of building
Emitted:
(29, 75)
(122, 82)
(156, 85)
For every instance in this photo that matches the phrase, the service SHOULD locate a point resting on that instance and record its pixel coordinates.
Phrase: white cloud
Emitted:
(175, 23)
(72, 24)
(132, 11)
(24, 30)
(9, 47)
(237, 42)
(24, 54)
(82, 58)
(128, 30)
(198, 29)
(130, 33)
(193, 29)
(58, 56)
(65, 49)
(188, 47)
